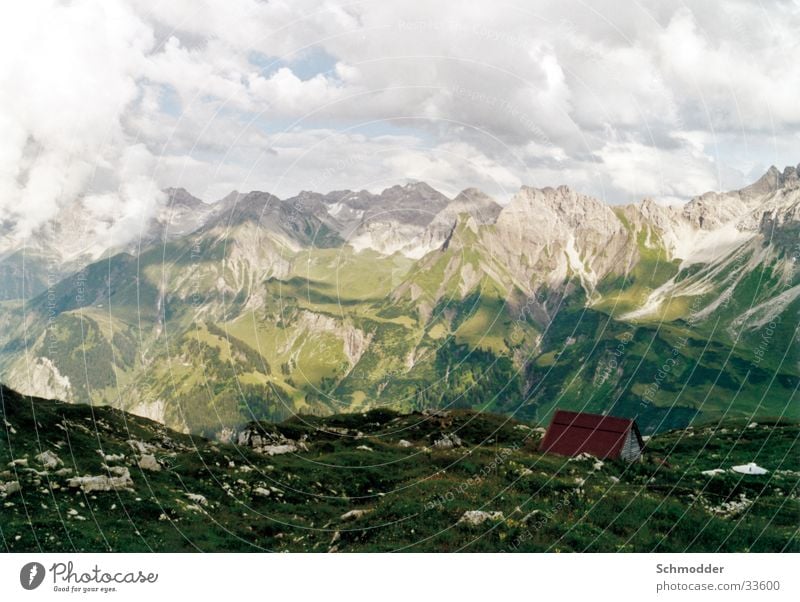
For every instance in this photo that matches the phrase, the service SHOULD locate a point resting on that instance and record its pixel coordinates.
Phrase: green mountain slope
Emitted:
(668, 315)
(80, 478)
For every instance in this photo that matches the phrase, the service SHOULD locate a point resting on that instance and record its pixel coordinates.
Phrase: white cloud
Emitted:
(114, 99)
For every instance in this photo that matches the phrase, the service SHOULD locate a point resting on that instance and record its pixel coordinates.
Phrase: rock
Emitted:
(598, 465)
(149, 462)
(140, 446)
(49, 460)
(364, 448)
(62, 472)
(750, 468)
(354, 514)
(88, 483)
(404, 443)
(474, 518)
(447, 441)
(277, 450)
(197, 498)
(18, 462)
(530, 515)
(9, 488)
(261, 491)
(614, 480)
(715, 471)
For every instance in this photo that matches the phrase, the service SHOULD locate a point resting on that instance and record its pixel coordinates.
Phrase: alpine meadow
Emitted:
(376, 277)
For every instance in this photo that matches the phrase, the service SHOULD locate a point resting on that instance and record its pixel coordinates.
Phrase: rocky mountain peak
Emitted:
(773, 180)
(182, 197)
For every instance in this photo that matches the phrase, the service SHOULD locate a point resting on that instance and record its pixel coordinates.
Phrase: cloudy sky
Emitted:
(110, 101)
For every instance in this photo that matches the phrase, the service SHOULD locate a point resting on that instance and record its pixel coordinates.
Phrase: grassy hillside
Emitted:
(378, 481)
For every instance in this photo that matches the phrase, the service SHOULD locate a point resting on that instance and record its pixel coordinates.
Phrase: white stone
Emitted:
(478, 517)
(750, 468)
(149, 462)
(49, 460)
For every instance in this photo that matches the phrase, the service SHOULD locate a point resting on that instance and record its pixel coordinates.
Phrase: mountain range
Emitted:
(255, 307)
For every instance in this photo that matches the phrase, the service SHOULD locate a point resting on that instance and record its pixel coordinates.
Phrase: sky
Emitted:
(111, 101)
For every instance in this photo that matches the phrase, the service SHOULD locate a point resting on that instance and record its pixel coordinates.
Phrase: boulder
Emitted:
(89, 483)
(9, 488)
(354, 514)
(473, 518)
(149, 462)
(197, 498)
(49, 460)
(447, 441)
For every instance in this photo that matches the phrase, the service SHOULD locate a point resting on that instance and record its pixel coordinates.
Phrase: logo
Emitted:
(31, 575)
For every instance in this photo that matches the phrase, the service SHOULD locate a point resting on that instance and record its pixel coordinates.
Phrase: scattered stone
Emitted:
(49, 460)
(197, 498)
(261, 491)
(269, 443)
(598, 465)
(62, 472)
(614, 480)
(474, 518)
(18, 462)
(364, 448)
(404, 443)
(752, 425)
(88, 483)
(354, 514)
(713, 472)
(140, 446)
(9, 488)
(731, 507)
(521, 427)
(149, 462)
(447, 441)
(436, 413)
(277, 450)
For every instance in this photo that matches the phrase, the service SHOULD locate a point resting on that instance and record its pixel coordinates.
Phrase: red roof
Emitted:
(573, 433)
